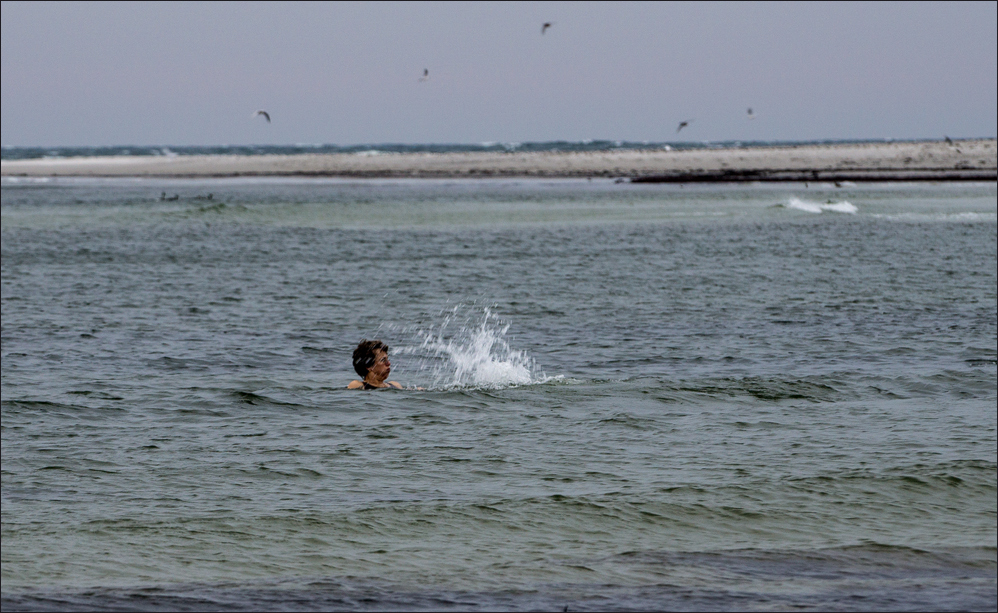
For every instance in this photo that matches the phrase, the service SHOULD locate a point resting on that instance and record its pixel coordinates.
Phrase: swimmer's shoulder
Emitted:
(359, 385)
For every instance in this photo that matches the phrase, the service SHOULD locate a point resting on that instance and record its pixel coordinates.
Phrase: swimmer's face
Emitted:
(382, 366)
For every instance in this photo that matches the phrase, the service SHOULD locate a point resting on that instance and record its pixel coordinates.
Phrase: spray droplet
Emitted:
(463, 353)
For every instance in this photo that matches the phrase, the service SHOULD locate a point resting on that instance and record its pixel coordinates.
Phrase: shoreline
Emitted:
(964, 160)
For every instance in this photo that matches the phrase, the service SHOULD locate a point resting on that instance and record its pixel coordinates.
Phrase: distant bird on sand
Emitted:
(426, 75)
(683, 124)
(544, 28)
(264, 113)
(949, 141)
(750, 114)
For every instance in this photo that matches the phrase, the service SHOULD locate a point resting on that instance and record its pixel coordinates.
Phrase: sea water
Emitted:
(633, 396)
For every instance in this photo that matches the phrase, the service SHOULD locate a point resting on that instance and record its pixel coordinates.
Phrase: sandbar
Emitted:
(958, 160)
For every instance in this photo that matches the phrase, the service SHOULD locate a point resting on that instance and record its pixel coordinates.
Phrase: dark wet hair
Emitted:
(364, 354)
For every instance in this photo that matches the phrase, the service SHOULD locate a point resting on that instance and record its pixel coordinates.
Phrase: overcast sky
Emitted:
(194, 73)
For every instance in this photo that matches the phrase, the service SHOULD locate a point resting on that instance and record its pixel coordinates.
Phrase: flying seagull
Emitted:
(264, 113)
(426, 75)
(544, 28)
(683, 124)
(750, 115)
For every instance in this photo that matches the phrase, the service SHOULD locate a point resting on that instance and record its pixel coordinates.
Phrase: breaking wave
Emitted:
(819, 207)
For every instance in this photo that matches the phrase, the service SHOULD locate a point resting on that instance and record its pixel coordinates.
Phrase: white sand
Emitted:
(961, 155)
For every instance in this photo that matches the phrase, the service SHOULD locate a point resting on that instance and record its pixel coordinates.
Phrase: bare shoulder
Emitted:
(355, 385)
(395, 384)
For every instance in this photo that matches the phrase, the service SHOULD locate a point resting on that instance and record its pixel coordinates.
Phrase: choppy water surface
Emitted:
(637, 397)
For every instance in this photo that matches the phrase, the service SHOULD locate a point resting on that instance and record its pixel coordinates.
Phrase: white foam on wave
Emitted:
(25, 179)
(818, 207)
(462, 353)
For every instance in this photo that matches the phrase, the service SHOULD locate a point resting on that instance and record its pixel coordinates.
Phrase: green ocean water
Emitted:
(635, 397)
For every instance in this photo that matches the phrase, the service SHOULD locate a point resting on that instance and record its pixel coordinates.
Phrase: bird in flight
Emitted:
(265, 114)
(683, 124)
(426, 75)
(544, 28)
(750, 115)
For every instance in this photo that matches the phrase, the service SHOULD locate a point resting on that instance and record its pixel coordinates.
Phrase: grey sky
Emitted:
(193, 74)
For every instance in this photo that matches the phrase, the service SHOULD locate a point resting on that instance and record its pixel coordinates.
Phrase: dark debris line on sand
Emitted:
(853, 175)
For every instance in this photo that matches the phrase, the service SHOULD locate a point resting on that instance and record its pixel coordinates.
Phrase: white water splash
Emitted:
(462, 353)
(817, 207)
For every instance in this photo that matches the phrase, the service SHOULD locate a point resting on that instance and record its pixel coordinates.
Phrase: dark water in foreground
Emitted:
(638, 397)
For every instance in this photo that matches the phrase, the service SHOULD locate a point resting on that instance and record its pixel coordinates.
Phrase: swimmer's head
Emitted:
(366, 354)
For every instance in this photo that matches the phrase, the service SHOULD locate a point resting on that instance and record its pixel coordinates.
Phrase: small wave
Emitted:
(13, 180)
(764, 388)
(463, 353)
(817, 207)
(964, 217)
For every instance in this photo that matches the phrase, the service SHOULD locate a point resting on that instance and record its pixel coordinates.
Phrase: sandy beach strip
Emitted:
(962, 160)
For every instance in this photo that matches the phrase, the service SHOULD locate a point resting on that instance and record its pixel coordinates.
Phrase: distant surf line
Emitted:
(593, 145)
